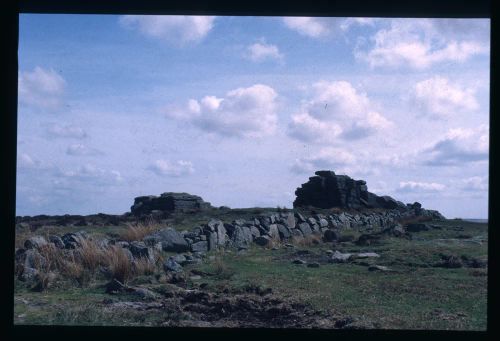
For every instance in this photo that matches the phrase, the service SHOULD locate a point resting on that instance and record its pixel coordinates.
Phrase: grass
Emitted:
(139, 230)
(416, 296)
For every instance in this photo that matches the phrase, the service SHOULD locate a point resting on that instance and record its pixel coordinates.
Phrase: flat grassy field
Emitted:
(412, 294)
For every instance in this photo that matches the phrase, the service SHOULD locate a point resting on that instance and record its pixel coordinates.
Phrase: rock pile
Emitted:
(168, 202)
(328, 190)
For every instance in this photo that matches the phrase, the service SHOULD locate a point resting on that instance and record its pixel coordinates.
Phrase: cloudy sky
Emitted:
(242, 110)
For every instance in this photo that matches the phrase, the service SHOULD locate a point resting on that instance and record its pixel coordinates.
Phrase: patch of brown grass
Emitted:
(119, 264)
(139, 230)
(90, 255)
(143, 266)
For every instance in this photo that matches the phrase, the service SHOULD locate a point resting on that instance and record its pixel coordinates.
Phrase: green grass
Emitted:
(415, 296)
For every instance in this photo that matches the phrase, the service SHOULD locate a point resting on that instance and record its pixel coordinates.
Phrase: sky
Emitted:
(242, 110)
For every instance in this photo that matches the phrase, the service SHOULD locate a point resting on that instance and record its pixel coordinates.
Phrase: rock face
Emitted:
(328, 190)
(168, 202)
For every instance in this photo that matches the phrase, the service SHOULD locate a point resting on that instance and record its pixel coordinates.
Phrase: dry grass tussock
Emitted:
(84, 262)
(139, 230)
(221, 269)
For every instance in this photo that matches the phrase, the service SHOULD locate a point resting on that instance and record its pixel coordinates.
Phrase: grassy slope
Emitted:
(414, 297)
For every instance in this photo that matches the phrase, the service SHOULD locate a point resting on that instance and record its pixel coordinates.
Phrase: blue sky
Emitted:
(242, 110)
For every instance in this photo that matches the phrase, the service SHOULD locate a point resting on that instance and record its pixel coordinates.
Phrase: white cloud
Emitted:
(475, 184)
(349, 22)
(327, 158)
(459, 146)
(437, 97)
(243, 112)
(420, 43)
(313, 27)
(41, 88)
(177, 29)
(260, 52)
(413, 186)
(174, 169)
(78, 149)
(89, 173)
(336, 109)
(67, 131)
(306, 128)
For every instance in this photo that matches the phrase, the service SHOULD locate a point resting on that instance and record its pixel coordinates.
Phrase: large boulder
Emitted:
(168, 202)
(140, 250)
(170, 239)
(328, 190)
(241, 237)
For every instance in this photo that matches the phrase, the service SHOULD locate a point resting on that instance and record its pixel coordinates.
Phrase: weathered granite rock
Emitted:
(170, 240)
(168, 202)
(57, 241)
(262, 240)
(284, 232)
(338, 257)
(140, 250)
(35, 242)
(171, 265)
(305, 229)
(328, 190)
(242, 237)
(201, 246)
(330, 236)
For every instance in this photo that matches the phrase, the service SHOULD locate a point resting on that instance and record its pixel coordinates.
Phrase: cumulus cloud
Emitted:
(174, 169)
(260, 52)
(67, 131)
(243, 112)
(421, 43)
(177, 29)
(413, 186)
(459, 146)
(349, 22)
(41, 88)
(78, 149)
(327, 158)
(437, 97)
(475, 184)
(304, 127)
(316, 27)
(89, 173)
(336, 109)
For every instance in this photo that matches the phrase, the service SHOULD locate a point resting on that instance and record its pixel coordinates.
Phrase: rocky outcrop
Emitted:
(168, 202)
(328, 190)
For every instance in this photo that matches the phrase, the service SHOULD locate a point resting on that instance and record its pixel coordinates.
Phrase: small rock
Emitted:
(171, 265)
(57, 241)
(195, 278)
(35, 242)
(378, 268)
(299, 261)
(262, 240)
(367, 255)
(339, 257)
(115, 286)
